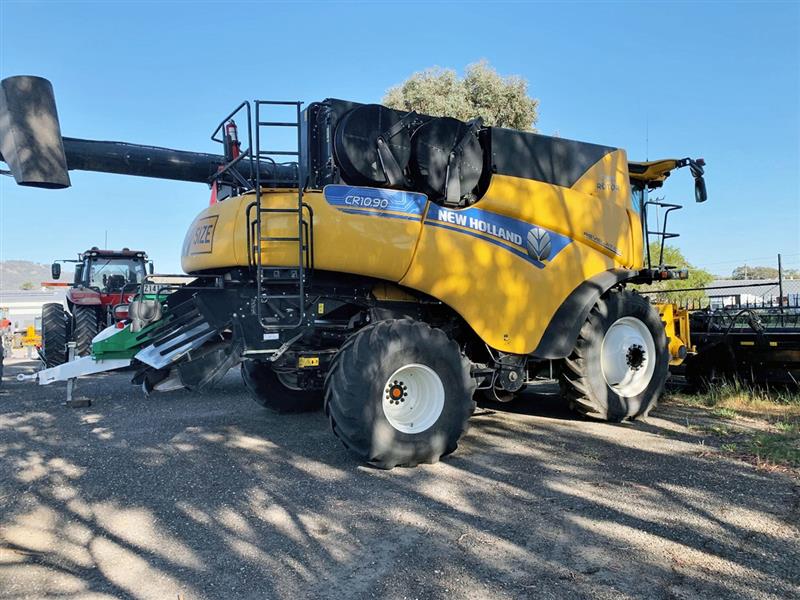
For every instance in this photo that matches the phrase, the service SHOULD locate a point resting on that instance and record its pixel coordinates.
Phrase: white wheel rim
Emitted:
(413, 398)
(628, 356)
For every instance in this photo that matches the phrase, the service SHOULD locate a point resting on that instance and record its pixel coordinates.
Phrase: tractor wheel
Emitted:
(277, 392)
(86, 326)
(54, 335)
(399, 393)
(620, 361)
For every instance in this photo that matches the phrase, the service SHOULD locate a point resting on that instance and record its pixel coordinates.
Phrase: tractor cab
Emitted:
(111, 272)
(107, 271)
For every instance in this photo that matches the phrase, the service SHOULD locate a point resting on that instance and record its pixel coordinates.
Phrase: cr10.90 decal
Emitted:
(535, 244)
(391, 204)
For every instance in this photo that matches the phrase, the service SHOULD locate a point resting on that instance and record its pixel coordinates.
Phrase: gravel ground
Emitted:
(208, 496)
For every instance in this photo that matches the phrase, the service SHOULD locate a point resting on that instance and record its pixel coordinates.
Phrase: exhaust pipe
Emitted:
(37, 155)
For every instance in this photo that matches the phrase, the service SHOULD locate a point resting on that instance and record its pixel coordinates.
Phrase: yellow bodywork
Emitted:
(471, 258)
(655, 171)
(676, 325)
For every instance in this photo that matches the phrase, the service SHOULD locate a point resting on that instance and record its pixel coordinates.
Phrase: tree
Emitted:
(482, 92)
(26, 286)
(791, 273)
(748, 272)
(698, 278)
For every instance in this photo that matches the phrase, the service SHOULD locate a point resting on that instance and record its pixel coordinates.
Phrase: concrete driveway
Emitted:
(209, 496)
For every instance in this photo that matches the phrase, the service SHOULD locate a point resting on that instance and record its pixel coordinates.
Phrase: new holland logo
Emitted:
(539, 246)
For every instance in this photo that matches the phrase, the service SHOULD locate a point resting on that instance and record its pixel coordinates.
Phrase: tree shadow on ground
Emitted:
(208, 496)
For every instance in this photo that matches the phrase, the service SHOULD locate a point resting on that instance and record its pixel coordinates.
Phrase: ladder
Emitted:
(280, 291)
(660, 234)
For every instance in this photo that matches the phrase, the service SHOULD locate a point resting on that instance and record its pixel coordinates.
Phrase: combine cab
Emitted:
(397, 263)
(105, 281)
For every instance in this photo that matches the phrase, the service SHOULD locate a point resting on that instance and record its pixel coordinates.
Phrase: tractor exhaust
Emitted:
(37, 155)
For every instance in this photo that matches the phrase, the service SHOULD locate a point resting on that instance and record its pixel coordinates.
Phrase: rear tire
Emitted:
(620, 362)
(399, 393)
(54, 335)
(87, 325)
(266, 388)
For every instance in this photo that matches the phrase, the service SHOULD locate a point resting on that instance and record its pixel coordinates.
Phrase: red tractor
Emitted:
(103, 280)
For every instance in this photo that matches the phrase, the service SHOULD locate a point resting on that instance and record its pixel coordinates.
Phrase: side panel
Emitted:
(508, 262)
(364, 231)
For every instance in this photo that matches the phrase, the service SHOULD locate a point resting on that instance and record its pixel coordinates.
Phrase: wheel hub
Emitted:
(396, 393)
(635, 357)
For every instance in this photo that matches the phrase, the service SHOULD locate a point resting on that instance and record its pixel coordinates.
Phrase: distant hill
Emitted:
(18, 274)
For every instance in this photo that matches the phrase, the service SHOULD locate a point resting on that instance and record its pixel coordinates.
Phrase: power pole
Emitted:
(780, 287)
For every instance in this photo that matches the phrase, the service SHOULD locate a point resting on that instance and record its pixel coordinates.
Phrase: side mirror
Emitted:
(150, 267)
(700, 194)
(55, 270)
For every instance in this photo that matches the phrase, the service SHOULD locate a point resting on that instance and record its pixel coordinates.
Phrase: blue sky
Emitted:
(717, 80)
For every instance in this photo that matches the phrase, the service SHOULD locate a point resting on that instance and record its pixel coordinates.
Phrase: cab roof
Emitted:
(653, 173)
(124, 253)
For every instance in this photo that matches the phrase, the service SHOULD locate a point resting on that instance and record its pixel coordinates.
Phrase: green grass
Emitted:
(731, 399)
(724, 412)
(719, 430)
(787, 427)
(777, 448)
(775, 443)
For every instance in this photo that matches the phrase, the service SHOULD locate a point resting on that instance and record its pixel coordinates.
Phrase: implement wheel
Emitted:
(86, 326)
(620, 361)
(278, 392)
(54, 335)
(399, 393)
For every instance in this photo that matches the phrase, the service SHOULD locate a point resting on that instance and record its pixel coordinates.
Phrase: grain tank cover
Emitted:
(446, 159)
(372, 145)
(30, 136)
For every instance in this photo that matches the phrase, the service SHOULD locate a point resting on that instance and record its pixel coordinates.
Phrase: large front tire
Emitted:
(86, 326)
(399, 393)
(270, 391)
(54, 335)
(620, 362)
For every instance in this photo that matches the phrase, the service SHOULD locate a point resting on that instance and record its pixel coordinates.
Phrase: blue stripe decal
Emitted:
(372, 213)
(535, 244)
(351, 198)
(484, 238)
(530, 242)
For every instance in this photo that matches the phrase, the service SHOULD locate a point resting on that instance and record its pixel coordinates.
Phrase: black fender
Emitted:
(561, 334)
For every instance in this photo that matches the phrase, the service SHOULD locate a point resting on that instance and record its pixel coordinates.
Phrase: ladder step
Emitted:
(279, 297)
(278, 124)
(272, 238)
(278, 153)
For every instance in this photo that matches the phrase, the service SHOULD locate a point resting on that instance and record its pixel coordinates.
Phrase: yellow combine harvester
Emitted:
(395, 265)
